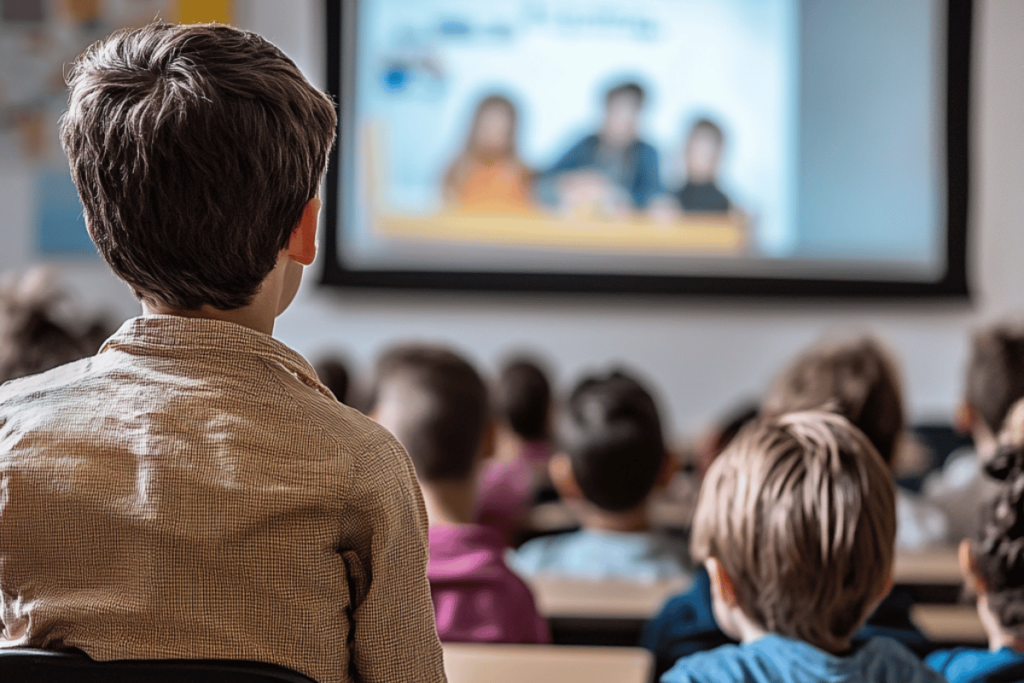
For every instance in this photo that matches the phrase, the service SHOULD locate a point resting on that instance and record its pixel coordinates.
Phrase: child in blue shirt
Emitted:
(611, 457)
(796, 527)
(993, 567)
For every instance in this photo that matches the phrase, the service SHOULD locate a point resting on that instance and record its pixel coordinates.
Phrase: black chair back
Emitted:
(42, 666)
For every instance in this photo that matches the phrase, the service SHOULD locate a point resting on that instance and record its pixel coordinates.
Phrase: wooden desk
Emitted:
(479, 663)
(576, 598)
(946, 624)
(928, 568)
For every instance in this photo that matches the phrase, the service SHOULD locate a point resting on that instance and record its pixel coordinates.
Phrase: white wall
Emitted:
(701, 354)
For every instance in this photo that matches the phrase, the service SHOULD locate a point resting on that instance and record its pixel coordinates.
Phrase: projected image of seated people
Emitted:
(611, 171)
(706, 138)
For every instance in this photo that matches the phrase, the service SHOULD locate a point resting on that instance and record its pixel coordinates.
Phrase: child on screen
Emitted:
(435, 403)
(488, 175)
(795, 525)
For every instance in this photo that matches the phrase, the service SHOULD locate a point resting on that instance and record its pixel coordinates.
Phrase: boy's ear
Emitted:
(562, 478)
(302, 245)
(721, 584)
(969, 568)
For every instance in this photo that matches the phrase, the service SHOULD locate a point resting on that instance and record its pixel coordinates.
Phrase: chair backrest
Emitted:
(42, 666)
(1013, 673)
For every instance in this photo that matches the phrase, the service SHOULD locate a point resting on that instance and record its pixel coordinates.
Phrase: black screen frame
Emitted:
(953, 285)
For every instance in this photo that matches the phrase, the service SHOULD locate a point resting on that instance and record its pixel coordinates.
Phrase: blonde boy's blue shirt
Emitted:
(193, 491)
(775, 659)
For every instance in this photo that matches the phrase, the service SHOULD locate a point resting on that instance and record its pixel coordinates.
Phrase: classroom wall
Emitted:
(701, 354)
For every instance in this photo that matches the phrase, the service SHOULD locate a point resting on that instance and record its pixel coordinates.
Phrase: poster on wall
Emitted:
(39, 39)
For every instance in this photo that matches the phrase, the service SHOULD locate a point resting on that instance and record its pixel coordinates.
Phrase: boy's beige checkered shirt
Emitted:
(193, 492)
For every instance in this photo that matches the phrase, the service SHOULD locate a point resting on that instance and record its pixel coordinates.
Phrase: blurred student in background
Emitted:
(611, 456)
(718, 438)
(612, 172)
(333, 373)
(857, 378)
(488, 175)
(795, 526)
(436, 404)
(992, 560)
(702, 156)
(36, 335)
(994, 381)
(512, 478)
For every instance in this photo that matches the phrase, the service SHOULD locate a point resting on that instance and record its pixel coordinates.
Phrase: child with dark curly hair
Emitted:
(993, 567)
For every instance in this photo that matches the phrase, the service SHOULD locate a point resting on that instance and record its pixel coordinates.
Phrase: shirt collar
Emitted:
(172, 334)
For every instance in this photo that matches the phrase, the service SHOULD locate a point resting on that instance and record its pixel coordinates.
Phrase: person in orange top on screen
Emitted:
(488, 174)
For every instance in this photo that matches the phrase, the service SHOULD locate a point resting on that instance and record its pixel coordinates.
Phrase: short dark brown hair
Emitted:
(522, 398)
(800, 511)
(435, 403)
(195, 149)
(611, 432)
(995, 372)
(856, 378)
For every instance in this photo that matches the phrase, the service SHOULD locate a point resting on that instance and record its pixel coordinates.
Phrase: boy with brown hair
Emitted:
(436, 404)
(795, 524)
(994, 382)
(611, 457)
(192, 491)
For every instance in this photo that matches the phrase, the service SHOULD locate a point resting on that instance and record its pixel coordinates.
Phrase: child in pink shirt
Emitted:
(436, 405)
(510, 481)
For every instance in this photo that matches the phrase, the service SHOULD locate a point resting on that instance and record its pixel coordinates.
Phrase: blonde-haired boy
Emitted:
(796, 525)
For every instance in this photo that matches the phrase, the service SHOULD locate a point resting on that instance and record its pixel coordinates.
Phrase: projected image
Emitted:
(574, 128)
(665, 136)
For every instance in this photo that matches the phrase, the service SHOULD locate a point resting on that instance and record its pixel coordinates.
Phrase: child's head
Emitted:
(856, 378)
(34, 335)
(197, 151)
(994, 382)
(435, 404)
(703, 152)
(993, 561)
(609, 436)
(796, 522)
(522, 398)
